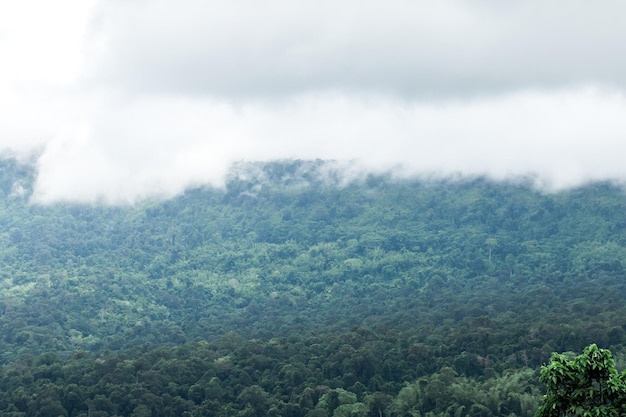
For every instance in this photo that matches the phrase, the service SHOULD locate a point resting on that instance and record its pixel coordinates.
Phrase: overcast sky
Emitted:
(129, 99)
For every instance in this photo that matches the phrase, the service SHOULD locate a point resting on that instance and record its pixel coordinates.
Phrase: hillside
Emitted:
(292, 291)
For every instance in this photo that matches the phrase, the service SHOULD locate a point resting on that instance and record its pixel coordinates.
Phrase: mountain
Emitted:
(364, 294)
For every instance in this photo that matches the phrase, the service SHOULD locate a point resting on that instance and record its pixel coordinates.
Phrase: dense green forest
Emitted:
(293, 293)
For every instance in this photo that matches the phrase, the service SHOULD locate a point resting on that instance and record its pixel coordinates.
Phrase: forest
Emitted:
(293, 292)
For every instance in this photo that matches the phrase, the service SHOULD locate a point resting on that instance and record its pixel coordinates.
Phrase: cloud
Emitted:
(41, 42)
(158, 146)
(128, 100)
(41, 45)
(409, 48)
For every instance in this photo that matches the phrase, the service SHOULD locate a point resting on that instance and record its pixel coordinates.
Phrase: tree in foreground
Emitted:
(587, 385)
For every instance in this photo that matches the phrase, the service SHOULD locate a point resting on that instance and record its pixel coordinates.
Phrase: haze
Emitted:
(127, 100)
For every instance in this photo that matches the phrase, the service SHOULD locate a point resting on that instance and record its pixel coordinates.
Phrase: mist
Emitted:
(151, 98)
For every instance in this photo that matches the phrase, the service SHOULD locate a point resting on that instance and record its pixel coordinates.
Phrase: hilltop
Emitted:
(417, 277)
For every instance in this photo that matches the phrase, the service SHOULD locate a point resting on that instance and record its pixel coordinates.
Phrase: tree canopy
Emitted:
(587, 385)
(292, 292)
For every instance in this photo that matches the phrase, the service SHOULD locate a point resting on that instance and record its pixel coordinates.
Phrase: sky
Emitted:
(125, 100)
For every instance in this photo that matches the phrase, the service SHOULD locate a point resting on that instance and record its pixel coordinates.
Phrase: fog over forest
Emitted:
(312, 209)
(123, 101)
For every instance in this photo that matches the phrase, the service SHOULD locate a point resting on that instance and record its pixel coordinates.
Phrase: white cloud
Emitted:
(42, 42)
(137, 99)
(565, 138)
(41, 49)
(410, 48)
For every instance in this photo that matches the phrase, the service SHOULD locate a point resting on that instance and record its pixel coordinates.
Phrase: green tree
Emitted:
(491, 243)
(587, 385)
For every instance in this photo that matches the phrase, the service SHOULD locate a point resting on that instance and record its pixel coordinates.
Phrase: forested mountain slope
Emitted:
(304, 282)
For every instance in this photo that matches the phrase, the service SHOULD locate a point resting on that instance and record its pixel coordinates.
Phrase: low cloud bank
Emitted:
(130, 149)
(124, 101)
